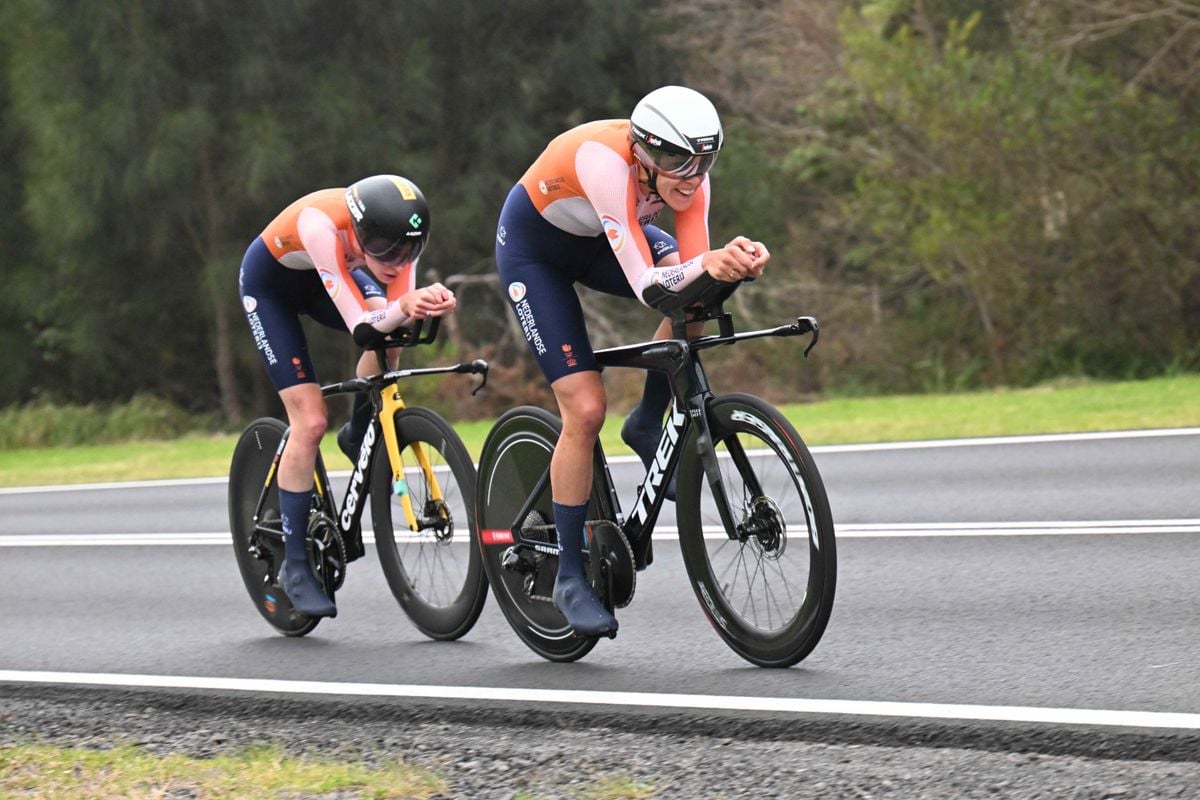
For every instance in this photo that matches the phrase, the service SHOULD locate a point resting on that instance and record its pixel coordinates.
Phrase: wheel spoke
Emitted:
(756, 575)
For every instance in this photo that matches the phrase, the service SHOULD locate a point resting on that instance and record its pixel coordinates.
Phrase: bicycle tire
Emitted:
(750, 589)
(515, 456)
(435, 574)
(252, 459)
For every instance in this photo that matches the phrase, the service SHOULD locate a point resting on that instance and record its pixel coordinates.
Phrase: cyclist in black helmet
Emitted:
(346, 258)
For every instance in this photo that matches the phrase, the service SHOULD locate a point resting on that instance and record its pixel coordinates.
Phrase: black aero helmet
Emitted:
(390, 217)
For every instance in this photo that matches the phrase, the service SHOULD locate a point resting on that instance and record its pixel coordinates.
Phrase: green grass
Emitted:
(41, 771)
(1066, 406)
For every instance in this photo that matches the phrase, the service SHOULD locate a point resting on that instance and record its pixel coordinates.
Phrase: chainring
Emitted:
(606, 541)
(328, 551)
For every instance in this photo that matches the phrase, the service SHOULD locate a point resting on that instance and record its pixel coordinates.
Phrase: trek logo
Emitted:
(654, 477)
(356, 480)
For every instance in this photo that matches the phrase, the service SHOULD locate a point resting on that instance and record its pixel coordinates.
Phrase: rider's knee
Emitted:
(308, 429)
(585, 416)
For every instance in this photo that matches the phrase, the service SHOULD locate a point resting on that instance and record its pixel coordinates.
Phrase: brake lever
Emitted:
(479, 367)
(811, 326)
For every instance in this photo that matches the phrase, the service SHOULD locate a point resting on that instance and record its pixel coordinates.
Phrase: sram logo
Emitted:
(654, 478)
(356, 480)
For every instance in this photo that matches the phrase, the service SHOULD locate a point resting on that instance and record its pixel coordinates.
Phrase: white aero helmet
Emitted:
(676, 132)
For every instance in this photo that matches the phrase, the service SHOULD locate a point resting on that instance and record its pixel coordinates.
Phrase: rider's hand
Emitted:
(429, 301)
(759, 255)
(741, 258)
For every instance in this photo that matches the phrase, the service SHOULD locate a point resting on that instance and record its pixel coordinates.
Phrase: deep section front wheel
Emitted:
(764, 575)
(520, 555)
(257, 528)
(432, 560)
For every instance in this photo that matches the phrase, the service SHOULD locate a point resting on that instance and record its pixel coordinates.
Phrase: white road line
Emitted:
(994, 440)
(85, 487)
(629, 459)
(669, 533)
(784, 705)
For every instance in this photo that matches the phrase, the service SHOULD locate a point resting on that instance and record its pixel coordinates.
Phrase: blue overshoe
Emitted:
(304, 590)
(350, 441)
(350, 436)
(574, 597)
(643, 439)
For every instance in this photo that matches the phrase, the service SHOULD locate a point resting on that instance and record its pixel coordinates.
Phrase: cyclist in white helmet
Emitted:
(582, 213)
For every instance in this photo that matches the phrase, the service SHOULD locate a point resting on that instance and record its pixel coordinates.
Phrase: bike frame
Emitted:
(680, 360)
(387, 401)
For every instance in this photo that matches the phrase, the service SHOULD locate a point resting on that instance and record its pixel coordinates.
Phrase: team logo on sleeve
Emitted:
(249, 303)
(615, 231)
(667, 277)
(516, 291)
(331, 285)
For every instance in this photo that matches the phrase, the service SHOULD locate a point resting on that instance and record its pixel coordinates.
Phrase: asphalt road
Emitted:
(1038, 574)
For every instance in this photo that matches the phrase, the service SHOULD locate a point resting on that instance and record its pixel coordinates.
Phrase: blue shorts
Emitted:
(274, 297)
(539, 266)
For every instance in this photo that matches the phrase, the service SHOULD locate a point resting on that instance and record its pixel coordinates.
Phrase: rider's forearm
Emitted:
(672, 278)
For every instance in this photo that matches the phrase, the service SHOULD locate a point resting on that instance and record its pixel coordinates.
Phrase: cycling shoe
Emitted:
(575, 599)
(350, 441)
(643, 440)
(305, 591)
(350, 436)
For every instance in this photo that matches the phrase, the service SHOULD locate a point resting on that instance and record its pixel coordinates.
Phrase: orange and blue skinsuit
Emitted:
(308, 261)
(577, 216)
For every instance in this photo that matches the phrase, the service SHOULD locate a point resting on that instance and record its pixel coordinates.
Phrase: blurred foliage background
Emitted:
(966, 194)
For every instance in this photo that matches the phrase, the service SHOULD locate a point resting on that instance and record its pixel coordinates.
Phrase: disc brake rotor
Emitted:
(768, 527)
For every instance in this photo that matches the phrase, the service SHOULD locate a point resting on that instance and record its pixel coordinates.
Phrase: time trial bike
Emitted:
(754, 524)
(420, 480)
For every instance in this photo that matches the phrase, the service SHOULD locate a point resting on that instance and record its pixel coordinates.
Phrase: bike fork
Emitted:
(392, 404)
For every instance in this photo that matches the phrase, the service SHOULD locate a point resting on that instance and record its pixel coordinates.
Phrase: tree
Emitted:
(155, 140)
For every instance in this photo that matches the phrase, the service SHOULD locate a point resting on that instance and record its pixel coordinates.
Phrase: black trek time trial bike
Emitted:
(421, 483)
(754, 524)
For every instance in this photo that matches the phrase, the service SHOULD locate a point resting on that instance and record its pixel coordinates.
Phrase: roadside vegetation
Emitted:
(40, 771)
(111, 452)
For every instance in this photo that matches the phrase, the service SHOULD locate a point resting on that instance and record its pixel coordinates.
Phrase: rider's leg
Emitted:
(350, 436)
(582, 403)
(307, 417)
(643, 427)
